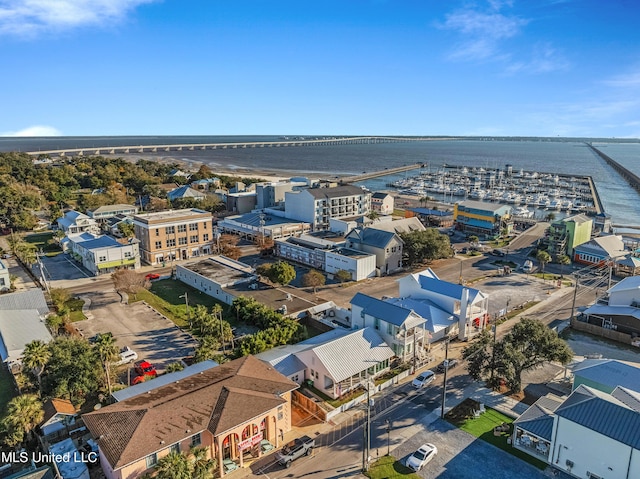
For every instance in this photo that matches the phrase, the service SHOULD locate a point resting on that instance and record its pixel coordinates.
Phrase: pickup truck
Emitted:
(302, 446)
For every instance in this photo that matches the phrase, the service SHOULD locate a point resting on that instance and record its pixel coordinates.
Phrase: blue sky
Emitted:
(378, 67)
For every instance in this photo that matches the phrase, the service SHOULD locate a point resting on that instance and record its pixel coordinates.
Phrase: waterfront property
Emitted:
(382, 203)
(568, 233)
(174, 234)
(600, 250)
(482, 219)
(232, 410)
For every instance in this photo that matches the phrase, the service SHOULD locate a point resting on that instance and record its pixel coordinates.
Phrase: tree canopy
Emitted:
(427, 245)
(313, 279)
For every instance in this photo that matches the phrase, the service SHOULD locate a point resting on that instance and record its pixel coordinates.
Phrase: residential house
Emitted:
(482, 219)
(103, 254)
(402, 329)
(317, 206)
(206, 184)
(74, 222)
(111, 226)
(439, 323)
(5, 277)
(30, 299)
(600, 250)
(334, 362)
(185, 192)
(403, 225)
(590, 434)
(386, 246)
(382, 203)
(59, 416)
(109, 211)
(567, 233)
(468, 304)
(628, 265)
(173, 235)
(231, 410)
(622, 309)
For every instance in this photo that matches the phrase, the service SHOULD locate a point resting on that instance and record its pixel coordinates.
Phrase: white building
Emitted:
(103, 254)
(360, 265)
(74, 222)
(268, 224)
(622, 311)
(317, 205)
(382, 203)
(5, 277)
(109, 211)
(386, 246)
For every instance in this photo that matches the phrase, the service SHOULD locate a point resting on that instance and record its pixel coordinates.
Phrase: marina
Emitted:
(529, 192)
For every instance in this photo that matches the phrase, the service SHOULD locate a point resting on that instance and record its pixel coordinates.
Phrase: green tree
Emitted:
(543, 257)
(35, 357)
(173, 466)
(343, 275)
(373, 215)
(107, 350)
(23, 414)
(550, 217)
(174, 367)
(473, 239)
(201, 466)
(563, 260)
(282, 273)
(528, 345)
(313, 279)
(127, 230)
(208, 348)
(59, 297)
(427, 245)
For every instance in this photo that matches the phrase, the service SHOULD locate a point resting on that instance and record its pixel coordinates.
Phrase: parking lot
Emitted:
(154, 337)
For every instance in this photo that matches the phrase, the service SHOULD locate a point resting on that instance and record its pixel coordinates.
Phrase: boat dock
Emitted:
(597, 202)
(375, 174)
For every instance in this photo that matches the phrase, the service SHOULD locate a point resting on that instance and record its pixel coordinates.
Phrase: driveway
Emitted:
(154, 337)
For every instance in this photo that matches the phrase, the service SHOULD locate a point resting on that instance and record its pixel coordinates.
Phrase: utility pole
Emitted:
(444, 383)
(388, 437)
(415, 361)
(575, 294)
(493, 352)
(186, 302)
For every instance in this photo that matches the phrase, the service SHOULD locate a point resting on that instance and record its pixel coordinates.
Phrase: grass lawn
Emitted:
(482, 428)
(6, 389)
(75, 309)
(388, 468)
(165, 297)
(40, 241)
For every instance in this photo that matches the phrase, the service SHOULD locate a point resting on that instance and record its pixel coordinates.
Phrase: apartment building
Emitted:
(173, 235)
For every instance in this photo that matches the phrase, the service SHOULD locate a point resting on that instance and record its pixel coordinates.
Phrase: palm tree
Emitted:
(108, 351)
(23, 414)
(543, 257)
(36, 355)
(173, 466)
(563, 260)
(373, 215)
(202, 468)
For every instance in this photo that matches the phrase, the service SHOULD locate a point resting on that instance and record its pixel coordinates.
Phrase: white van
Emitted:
(127, 355)
(528, 266)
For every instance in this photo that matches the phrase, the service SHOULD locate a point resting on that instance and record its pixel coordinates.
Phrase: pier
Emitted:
(375, 174)
(631, 178)
(597, 202)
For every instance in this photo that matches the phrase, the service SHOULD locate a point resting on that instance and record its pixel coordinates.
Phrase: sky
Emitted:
(312, 67)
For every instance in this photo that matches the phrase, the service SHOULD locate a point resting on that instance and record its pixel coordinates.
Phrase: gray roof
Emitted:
(437, 318)
(372, 237)
(445, 288)
(387, 312)
(29, 299)
(353, 353)
(335, 192)
(538, 419)
(17, 329)
(628, 397)
(609, 372)
(163, 380)
(380, 195)
(627, 284)
(112, 208)
(185, 192)
(603, 414)
(480, 205)
(604, 245)
(404, 225)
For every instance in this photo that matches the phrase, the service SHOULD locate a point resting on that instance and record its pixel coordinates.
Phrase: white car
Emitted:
(127, 355)
(422, 456)
(423, 379)
(528, 266)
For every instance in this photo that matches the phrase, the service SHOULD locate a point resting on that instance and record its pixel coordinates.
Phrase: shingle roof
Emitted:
(215, 399)
(383, 310)
(364, 348)
(609, 372)
(185, 192)
(602, 413)
(29, 299)
(57, 406)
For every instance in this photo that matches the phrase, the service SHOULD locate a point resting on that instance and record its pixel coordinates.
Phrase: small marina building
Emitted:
(621, 312)
(482, 219)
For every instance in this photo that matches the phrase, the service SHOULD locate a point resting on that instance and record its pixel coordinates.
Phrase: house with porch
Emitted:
(622, 310)
(74, 222)
(233, 410)
(590, 434)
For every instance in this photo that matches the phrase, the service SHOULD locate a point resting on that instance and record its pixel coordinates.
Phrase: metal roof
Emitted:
(628, 397)
(163, 380)
(185, 192)
(100, 242)
(538, 419)
(372, 237)
(29, 299)
(380, 309)
(17, 329)
(436, 317)
(609, 372)
(445, 288)
(353, 353)
(603, 414)
(482, 206)
(404, 225)
(627, 284)
(430, 212)
(335, 192)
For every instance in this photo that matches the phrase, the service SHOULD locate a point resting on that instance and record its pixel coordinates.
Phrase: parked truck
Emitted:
(302, 446)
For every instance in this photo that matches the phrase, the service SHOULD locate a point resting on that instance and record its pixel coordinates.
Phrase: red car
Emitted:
(152, 276)
(145, 368)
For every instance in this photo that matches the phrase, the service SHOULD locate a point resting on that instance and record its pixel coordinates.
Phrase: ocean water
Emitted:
(544, 156)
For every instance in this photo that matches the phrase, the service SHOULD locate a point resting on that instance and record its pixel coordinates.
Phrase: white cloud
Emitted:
(35, 130)
(30, 17)
(630, 80)
(544, 59)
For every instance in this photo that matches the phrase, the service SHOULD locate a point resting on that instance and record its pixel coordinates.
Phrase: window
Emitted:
(102, 258)
(171, 243)
(182, 241)
(193, 239)
(170, 230)
(157, 232)
(127, 254)
(196, 440)
(152, 460)
(294, 378)
(205, 237)
(158, 244)
(280, 413)
(174, 448)
(389, 328)
(182, 228)
(193, 227)
(2, 283)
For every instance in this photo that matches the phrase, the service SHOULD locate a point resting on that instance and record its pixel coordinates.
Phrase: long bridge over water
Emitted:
(115, 150)
(629, 176)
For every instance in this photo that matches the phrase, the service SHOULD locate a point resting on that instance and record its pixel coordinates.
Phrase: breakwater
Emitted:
(630, 177)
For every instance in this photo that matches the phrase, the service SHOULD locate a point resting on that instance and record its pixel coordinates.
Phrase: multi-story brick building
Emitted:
(173, 235)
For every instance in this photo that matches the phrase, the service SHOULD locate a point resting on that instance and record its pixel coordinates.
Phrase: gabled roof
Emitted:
(185, 192)
(353, 353)
(57, 406)
(630, 261)
(380, 195)
(610, 245)
(100, 242)
(18, 328)
(387, 312)
(609, 372)
(372, 237)
(451, 290)
(628, 397)
(436, 317)
(603, 414)
(112, 208)
(404, 225)
(29, 299)
(538, 419)
(216, 399)
(630, 283)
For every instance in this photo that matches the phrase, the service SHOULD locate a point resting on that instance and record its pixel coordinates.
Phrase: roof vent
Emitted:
(161, 442)
(188, 431)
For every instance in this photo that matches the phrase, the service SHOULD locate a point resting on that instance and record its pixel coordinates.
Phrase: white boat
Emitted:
(523, 212)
